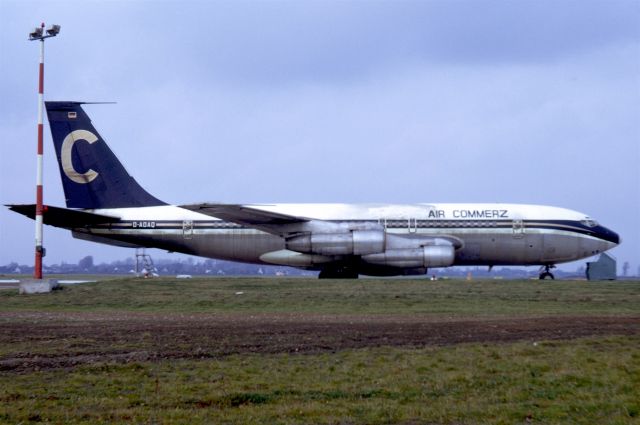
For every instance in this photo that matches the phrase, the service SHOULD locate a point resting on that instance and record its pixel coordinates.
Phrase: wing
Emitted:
(268, 221)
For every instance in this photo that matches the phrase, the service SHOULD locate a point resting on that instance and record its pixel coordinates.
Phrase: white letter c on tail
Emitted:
(65, 156)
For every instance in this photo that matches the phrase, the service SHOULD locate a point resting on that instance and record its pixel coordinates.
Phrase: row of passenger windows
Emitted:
(421, 224)
(394, 224)
(403, 224)
(225, 225)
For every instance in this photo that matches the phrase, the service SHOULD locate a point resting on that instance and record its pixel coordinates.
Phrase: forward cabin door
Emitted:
(518, 228)
(519, 253)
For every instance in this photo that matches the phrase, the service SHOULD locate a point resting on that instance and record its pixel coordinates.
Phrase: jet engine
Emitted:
(355, 242)
(426, 256)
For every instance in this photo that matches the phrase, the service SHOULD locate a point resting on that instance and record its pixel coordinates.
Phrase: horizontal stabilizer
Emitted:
(63, 217)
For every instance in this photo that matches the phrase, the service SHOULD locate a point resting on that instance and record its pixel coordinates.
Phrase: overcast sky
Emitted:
(434, 101)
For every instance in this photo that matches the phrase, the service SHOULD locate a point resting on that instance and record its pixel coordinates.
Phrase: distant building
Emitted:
(603, 269)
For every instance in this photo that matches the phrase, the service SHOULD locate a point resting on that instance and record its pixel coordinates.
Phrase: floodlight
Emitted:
(53, 30)
(36, 33)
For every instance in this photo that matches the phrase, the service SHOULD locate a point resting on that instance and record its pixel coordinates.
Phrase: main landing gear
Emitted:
(339, 272)
(546, 273)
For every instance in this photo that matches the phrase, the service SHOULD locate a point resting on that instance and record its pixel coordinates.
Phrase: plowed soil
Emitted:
(35, 341)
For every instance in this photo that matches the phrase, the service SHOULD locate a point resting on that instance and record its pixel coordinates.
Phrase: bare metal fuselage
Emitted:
(488, 234)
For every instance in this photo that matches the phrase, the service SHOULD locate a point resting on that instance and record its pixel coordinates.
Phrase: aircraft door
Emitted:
(187, 229)
(518, 229)
(412, 225)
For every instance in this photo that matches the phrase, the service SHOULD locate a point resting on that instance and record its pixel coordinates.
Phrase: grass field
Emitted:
(366, 296)
(588, 380)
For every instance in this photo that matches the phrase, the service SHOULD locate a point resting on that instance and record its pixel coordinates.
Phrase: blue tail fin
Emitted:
(91, 174)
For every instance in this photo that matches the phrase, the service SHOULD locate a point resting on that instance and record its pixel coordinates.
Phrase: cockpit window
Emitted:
(589, 222)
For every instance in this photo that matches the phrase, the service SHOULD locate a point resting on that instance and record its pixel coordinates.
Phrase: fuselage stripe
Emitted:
(442, 225)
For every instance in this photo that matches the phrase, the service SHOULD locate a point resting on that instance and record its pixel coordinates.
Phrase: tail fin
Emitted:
(91, 174)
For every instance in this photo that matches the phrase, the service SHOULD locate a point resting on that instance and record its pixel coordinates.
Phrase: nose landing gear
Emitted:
(546, 273)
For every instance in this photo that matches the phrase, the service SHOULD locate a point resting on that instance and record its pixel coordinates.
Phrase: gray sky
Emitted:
(457, 101)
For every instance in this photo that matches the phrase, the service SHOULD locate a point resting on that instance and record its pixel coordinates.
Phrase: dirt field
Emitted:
(290, 351)
(37, 341)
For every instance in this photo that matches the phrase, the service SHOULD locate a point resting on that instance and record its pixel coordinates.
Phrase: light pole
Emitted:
(38, 33)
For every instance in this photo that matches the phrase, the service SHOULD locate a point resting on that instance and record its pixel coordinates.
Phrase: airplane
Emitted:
(105, 204)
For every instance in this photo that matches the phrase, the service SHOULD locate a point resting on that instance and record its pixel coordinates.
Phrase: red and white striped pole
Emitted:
(39, 34)
(37, 272)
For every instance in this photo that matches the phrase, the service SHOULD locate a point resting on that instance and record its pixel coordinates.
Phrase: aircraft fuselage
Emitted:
(487, 234)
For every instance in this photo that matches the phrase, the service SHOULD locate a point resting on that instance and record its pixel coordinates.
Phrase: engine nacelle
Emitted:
(427, 256)
(355, 242)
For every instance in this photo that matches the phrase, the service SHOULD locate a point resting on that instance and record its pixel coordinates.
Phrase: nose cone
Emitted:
(609, 236)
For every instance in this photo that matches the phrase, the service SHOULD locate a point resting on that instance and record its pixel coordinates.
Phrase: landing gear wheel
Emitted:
(546, 273)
